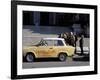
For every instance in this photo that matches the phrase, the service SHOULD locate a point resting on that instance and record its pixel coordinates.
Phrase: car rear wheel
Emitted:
(62, 57)
(30, 57)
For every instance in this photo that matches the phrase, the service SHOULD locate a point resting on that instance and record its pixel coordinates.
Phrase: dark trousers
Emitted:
(81, 47)
(75, 47)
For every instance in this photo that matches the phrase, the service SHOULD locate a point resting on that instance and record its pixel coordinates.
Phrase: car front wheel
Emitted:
(30, 57)
(62, 57)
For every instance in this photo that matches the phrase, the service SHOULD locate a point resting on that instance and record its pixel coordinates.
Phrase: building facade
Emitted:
(54, 19)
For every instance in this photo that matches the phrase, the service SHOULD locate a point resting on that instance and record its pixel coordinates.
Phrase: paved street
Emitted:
(55, 63)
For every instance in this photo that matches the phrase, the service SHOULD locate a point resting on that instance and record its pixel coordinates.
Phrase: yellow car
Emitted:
(48, 47)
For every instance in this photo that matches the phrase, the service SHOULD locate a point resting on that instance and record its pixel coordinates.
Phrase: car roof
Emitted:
(53, 38)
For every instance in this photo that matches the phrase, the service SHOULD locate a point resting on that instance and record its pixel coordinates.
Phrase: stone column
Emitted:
(37, 18)
(54, 18)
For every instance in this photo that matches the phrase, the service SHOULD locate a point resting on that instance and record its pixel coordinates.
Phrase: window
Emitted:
(60, 43)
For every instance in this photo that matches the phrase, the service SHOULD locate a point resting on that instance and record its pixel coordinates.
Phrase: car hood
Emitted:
(29, 47)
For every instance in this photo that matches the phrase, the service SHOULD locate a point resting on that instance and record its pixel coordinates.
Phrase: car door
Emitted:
(51, 51)
(46, 50)
(42, 51)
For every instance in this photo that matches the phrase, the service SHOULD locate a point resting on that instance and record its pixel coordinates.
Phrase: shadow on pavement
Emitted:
(79, 57)
(46, 59)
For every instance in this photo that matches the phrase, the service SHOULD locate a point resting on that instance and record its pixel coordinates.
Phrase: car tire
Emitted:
(30, 57)
(62, 57)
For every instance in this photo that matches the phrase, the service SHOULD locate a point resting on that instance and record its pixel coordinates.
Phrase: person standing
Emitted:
(81, 42)
(72, 39)
(76, 39)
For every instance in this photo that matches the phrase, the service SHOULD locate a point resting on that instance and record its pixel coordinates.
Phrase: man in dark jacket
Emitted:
(76, 38)
(81, 42)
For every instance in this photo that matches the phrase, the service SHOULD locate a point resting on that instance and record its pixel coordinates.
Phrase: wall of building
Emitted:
(78, 23)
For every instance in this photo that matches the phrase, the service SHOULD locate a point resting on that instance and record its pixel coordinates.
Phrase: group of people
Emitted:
(71, 39)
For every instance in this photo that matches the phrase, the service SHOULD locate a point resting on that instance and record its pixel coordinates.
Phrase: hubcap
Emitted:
(29, 58)
(62, 57)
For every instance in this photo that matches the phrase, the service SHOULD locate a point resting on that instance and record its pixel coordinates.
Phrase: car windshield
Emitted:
(51, 43)
(42, 43)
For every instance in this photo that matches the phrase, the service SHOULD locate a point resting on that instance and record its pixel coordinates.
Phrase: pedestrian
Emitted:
(81, 42)
(76, 39)
(72, 39)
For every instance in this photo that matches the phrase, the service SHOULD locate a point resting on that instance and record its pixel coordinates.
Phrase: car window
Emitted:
(59, 43)
(50, 42)
(54, 43)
